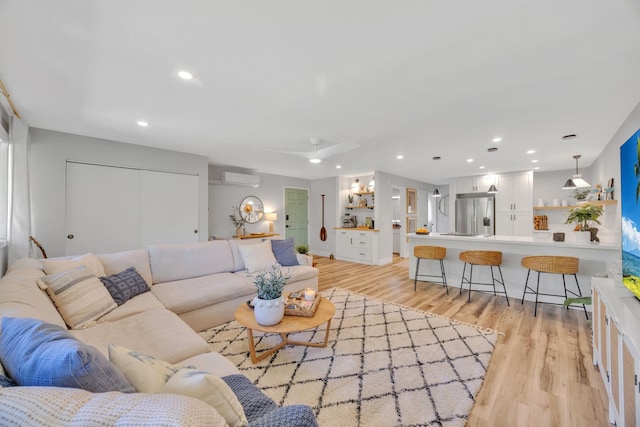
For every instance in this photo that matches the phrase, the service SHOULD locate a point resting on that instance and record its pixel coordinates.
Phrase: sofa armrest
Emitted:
(304, 259)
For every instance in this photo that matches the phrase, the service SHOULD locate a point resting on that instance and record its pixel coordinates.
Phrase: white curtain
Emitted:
(20, 196)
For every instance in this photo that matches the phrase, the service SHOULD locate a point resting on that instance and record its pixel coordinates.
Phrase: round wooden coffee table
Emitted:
(289, 324)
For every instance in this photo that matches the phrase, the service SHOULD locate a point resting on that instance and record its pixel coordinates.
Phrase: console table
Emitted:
(256, 236)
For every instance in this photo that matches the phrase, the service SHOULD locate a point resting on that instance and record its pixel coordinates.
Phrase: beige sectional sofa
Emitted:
(192, 287)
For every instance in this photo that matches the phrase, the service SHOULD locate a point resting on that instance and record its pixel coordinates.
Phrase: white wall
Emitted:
(223, 197)
(50, 151)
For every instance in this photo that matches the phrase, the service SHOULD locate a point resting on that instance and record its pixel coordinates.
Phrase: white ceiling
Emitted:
(419, 78)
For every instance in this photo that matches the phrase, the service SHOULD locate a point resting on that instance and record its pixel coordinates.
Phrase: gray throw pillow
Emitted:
(7, 382)
(125, 285)
(284, 252)
(36, 353)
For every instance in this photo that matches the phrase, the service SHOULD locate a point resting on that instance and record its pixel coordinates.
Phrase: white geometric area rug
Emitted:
(384, 365)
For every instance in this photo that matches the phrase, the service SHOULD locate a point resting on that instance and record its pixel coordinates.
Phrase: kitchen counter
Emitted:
(595, 259)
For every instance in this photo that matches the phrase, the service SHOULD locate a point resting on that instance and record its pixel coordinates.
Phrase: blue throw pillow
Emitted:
(7, 382)
(284, 252)
(125, 285)
(37, 353)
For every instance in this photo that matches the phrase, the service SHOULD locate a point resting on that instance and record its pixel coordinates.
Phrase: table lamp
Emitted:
(270, 217)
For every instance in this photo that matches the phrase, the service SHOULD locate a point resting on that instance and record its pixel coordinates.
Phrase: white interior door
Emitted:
(168, 208)
(102, 209)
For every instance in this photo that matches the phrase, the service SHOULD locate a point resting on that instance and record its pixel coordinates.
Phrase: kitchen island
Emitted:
(595, 259)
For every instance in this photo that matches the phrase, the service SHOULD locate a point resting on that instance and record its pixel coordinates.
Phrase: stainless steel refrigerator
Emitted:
(475, 214)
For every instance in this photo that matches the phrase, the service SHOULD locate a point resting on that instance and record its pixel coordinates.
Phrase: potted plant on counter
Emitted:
(268, 306)
(583, 216)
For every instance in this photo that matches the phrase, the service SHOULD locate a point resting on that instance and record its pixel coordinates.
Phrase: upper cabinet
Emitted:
(475, 184)
(514, 204)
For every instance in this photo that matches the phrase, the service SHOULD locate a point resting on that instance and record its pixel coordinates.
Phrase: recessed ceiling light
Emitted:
(338, 167)
(497, 139)
(481, 167)
(185, 75)
(399, 157)
(469, 160)
(142, 123)
(531, 151)
(534, 161)
(315, 160)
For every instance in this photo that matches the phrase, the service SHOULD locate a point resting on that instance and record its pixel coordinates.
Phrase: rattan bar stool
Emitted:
(564, 265)
(430, 252)
(488, 258)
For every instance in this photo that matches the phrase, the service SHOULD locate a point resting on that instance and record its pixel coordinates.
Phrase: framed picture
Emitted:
(411, 224)
(412, 201)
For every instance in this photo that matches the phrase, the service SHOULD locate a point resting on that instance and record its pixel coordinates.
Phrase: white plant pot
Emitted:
(583, 237)
(269, 311)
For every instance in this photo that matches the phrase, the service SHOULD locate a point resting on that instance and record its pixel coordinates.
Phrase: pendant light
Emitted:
(436, 193)
(576, 181)
(492, 189)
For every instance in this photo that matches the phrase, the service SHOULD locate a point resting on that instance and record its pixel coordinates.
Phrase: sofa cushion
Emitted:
(51, 406)
(158, 332)
(211, 390)
(37, 353)
(79, 295)
(125, 285)
(119, 261)
(175, 262)
(20, 296)
(238, 264)
(284, 252)
(257, 257)
(296, 273)
(212, 362)
(191, 294)
(90, 261)
(143, 302)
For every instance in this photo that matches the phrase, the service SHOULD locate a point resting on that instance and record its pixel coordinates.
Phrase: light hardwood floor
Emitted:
(541, 372)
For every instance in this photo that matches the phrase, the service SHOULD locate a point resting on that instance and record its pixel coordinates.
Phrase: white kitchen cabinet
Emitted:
(514, 204)
(357, 246)
(474, 184)
(616, 339)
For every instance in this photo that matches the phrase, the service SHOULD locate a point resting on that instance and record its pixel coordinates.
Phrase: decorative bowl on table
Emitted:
(422, 231)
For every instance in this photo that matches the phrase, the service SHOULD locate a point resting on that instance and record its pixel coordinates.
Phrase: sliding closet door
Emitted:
(102, 205)
(168, 208)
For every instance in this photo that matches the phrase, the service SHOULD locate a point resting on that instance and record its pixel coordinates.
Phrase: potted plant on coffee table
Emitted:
(268, 306)
(583, 216)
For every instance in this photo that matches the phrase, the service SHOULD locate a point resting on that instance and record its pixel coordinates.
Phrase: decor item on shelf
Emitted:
(302, 249)
(237, 220)
(582, 216)
(268, 306)
(372, 184)
(580, 195)
(576, 181)
(271, 217)
(251, 209)
(436, 193)
(350, 199)
(356, 185)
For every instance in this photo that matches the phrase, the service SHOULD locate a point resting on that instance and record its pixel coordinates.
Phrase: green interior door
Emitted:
(296, 210)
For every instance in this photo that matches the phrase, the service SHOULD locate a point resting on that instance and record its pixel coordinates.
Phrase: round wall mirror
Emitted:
(251, 209)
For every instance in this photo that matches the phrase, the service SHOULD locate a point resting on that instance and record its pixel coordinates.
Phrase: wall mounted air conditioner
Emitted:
(240, 179)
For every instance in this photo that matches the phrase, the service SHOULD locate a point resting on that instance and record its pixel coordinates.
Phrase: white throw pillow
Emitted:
(257, 257)
(211, 390)
(145, 373)
(88, 260)
(80, 296)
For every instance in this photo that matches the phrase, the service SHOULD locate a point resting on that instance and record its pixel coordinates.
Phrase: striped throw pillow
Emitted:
(79, 295)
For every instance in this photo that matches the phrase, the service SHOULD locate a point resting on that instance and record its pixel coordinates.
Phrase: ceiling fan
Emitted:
(318, 154)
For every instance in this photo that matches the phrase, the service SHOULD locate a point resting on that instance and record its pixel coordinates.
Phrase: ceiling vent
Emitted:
(240, 179)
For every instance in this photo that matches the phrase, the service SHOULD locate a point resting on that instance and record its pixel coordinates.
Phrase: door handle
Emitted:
(286, 226)
(195, 231)
(70, 236)
(286, 217)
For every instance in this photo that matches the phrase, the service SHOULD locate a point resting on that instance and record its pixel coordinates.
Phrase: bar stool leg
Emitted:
(580, 293)
(415, 280)
(526, 286)
(470, 281)
(504, 286)
(565, 289)
(535, 310)
(464, 269)
(493, 281)
(444, 276)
